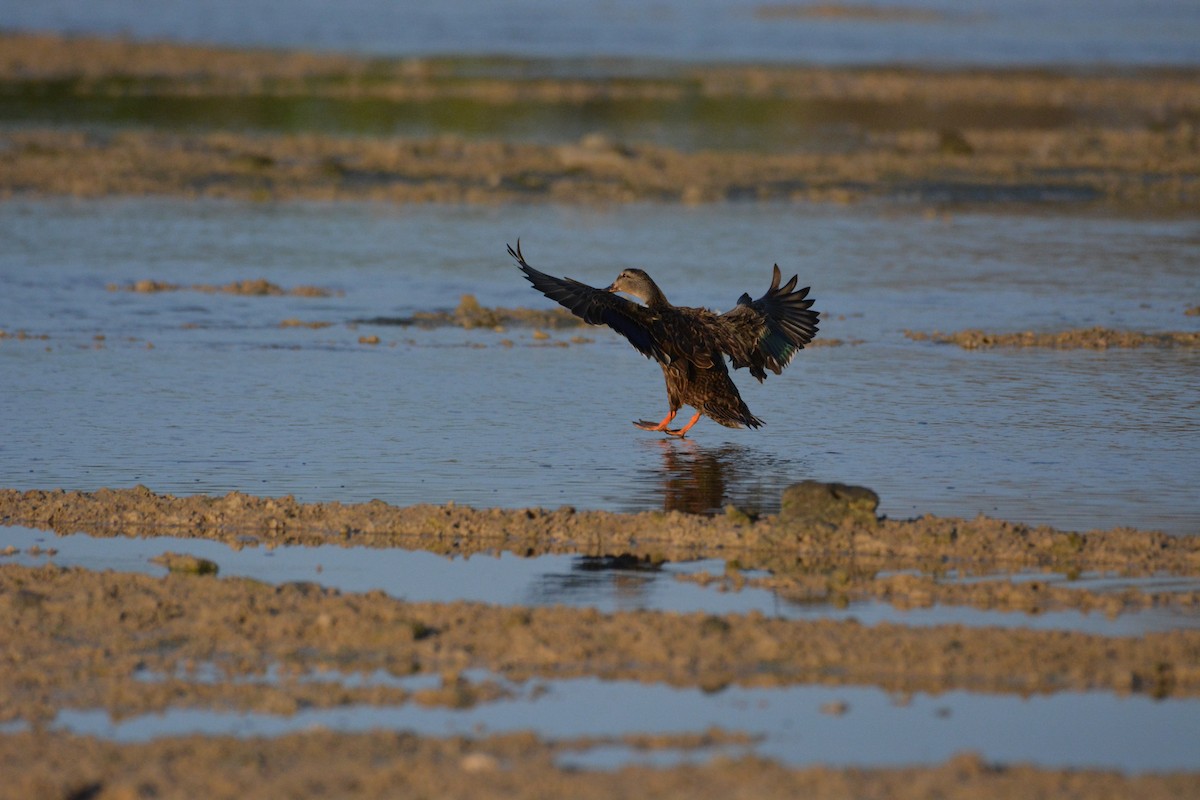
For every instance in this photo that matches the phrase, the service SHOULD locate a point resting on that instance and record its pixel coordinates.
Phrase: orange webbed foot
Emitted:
(647, 425)
(661, 427)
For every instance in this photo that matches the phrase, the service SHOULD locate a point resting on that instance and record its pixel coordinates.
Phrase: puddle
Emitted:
(795, 725)
(607, 584)
(1077, 440)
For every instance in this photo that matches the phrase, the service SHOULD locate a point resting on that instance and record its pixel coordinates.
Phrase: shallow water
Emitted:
(916, 31)
(192, 392)
(1076, 729)
(607, 584)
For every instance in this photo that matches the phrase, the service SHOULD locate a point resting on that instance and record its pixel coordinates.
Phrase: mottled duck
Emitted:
(691, 344)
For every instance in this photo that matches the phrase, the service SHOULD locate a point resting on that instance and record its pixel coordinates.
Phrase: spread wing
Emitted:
(598, 307)
(766, 333)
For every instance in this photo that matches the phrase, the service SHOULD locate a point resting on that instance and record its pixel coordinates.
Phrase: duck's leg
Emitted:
(647, 425)
(681, 432)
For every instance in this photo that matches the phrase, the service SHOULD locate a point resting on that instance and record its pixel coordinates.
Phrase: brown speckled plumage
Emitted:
(691, 344)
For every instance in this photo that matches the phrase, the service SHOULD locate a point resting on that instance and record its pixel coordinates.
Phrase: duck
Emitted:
(692, 344)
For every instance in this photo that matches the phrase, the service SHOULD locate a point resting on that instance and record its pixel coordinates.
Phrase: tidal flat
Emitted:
(308, 495)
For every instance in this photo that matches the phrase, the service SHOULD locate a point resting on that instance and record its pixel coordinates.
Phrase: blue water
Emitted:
(1065, 730)
(941, 32)
(587, 582)
(226, 399)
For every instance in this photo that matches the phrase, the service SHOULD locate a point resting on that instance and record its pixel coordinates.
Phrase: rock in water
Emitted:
(810, 502)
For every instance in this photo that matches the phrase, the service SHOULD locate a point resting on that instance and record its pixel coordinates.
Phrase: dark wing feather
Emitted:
(597, 307)
(766, 333)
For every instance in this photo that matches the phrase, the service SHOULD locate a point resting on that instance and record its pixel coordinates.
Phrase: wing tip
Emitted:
(516, 254)
(529, 272)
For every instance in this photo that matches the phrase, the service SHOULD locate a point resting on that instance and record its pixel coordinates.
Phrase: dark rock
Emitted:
(810, 502)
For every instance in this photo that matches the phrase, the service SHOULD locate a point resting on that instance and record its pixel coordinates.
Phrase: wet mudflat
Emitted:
(398, 536)
(199, 654)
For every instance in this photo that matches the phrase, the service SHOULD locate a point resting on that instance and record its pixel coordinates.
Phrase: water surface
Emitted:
(793, 724)
(941, 32)
(206, 393)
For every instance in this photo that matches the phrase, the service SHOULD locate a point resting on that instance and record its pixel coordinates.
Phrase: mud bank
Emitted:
(323, 764)
(1080, 338)
(250, 287)
(1008, 168)
(471, 314)
(133, 644)
(786, 541)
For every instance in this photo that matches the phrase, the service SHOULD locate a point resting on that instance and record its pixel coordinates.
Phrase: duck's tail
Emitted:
(732, 414)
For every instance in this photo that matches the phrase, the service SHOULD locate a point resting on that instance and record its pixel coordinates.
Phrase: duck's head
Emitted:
(637, 283)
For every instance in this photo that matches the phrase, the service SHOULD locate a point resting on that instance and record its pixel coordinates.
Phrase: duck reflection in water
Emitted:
(691, 478)
(623, 580)
(704, 480)
(694, 479)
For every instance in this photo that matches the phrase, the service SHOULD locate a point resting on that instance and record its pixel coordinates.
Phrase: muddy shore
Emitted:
(1122, 141)
(246, 520)
(134, 644)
